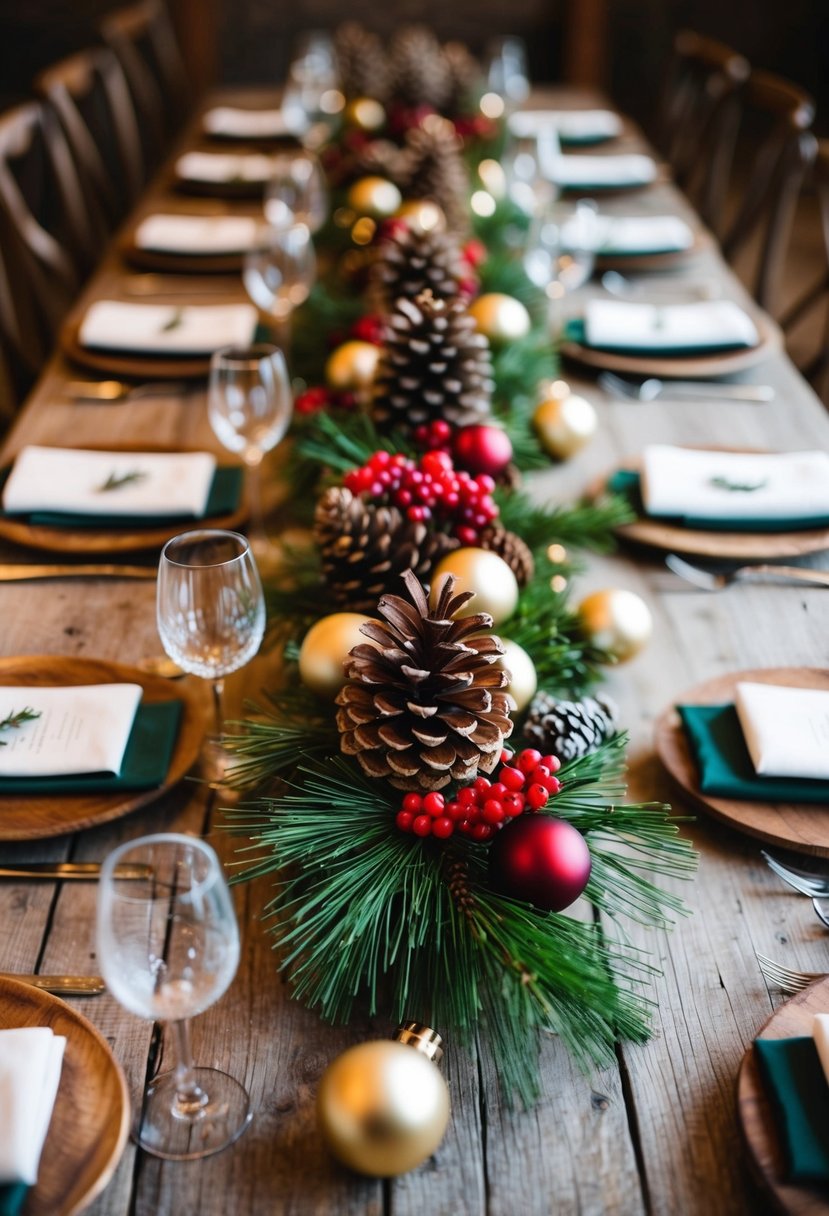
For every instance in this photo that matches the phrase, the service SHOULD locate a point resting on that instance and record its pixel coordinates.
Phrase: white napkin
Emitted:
(704, 325)
(246, 124)
(71, 480)
(572, 125)
(197, 233)
(167, 329)
(225, 167)
(584, 172)
(632, 234)
(82, 728)
(786, 729)
(30, 1064)
(742, 485)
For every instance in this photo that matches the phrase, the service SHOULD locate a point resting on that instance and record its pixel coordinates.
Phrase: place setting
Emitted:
(589, 173)
(242, 174)
(574, 128)
(176, 242)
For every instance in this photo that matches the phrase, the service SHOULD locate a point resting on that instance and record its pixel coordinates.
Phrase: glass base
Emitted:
(167, 1128)
(216, 762)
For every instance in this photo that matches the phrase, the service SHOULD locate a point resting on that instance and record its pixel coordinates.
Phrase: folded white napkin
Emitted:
(742, 485)
(632, 234)
(704, 325)
(214, 234)
(72, 480)
(82, 728)
(225, 167)
(167, 329)
(30, 1063)
(786, 729)
(573, 125)
(583, 172)
(246, 124)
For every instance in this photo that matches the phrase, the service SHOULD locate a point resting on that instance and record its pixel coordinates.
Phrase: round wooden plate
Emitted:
(180, 263)
(129, 363)
(91, 1116)
(803, 827)
(754, 1111)
(686, 367)
(31, 816)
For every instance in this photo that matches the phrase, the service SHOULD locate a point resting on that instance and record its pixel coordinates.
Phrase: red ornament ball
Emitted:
(542, 860)
(483, 449)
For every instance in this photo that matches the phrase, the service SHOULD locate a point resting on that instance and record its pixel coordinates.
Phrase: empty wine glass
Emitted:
(506, 70)
(311, 97)
(168, 946)
(296, 192)
(279, 272)
(561, 252)
(249, 405)
(210, 611)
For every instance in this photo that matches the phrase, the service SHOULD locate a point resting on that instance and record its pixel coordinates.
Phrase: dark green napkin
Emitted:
(725, 766)
(146, 759)
(629, 484)
(12, 1197)
(223, 499)
(574, 331)
(795, 1083)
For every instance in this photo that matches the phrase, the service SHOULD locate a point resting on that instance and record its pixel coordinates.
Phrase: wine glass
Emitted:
(561, 252)
(279, 272)
(296, 192)
(506, 70)
(249, 405)
(210, 612)
(311, 96)
(168, 946)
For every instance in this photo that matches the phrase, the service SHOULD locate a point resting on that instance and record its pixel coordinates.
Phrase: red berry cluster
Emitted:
(369, 328)
(320, 398)
(524, 783)
(434, 436)
(429, 489)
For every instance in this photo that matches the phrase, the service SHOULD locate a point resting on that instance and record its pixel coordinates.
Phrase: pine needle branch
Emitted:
(585, 525)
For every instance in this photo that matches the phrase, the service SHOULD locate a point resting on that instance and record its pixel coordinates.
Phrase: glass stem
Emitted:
(218, 688)
(190, 1099)
(257, 516)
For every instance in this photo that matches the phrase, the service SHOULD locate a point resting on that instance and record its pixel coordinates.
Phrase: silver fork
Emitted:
(784, 978)
(108, 392)
(804, 881)
(650, 389)
(708, 580)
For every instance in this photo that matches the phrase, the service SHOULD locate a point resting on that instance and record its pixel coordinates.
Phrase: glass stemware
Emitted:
(311, 96)
(561, 252)
(279, 273)
(506, 70)
(210, 612)
(168, 946)
(296, 192)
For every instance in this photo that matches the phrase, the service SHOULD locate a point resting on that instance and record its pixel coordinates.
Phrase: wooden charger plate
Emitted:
(90, 1120)
(802, 826)
(31, 816)
(755, 1114)
(698, 542)
(130, 364)
(688, 367)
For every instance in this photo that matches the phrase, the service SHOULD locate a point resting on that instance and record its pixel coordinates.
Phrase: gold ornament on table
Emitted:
(523, 678)
(564, 422)
(352, 366)
(486, 576)
(500, 318)
(374, 196)
(383, 1106)
(617, 621)
(325, 648)
(365, 114)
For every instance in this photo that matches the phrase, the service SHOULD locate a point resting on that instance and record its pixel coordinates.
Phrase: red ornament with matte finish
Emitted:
(542, 860)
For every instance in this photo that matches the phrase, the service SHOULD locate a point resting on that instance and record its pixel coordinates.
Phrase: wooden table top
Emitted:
(658, 1133)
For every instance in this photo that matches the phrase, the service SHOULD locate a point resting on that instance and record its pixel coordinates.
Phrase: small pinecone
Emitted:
(410, 262)
(424, 702)
(569, 729)
(464, 74)
(380, 158)
(433, 169)
(435, 365)
(515, 552)
(365, 547)
(420, 75)
(362, 62)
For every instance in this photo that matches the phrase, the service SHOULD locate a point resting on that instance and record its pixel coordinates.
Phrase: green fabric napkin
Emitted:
(629, 484)
(12, 1197)
(795, 1083)
(146, 759)
(223, 499)
(725, 766)
(574, 331)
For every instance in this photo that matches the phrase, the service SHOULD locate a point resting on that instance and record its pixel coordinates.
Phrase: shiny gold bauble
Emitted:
(523, 682)
(487, 575)
(325, 648)
(374, 196)
(365, 114)
(352, 366)
(422, 214)
(499, 317)
(564, 424)
(383, 1108)
(617, 621)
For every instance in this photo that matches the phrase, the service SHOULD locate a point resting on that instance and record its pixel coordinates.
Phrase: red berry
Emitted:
(456, 810)
(422, 825)
(493, 811)
(412, 802)
(433, 804)
(442, 828)
(537, 797)
(551, 762)
(513, 804)
(481, 831)
(506, 755)
(467, 795)
(512, 778)
(404, 821)
(551, 784)
(481, 785)
(528, 759)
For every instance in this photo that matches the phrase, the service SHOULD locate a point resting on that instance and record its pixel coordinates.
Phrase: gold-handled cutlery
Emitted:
(60, 985)
(708, 580)
(110, 392)
(24, 574)
(78, 870)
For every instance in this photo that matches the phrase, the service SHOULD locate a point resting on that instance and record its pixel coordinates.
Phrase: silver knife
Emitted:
(22, 574)
(60, 985)
(84, 870)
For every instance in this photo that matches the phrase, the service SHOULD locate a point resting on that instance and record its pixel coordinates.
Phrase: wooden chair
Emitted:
(90, 95)
(816, 296)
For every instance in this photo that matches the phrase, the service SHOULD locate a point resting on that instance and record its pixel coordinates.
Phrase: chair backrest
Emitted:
(89, 93)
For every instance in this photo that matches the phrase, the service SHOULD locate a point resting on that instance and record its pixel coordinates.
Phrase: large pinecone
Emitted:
(434, 365)
(365, 547)
(420, 74)
(570, 729)
(424, 702)
(410, 262)
(465, 76)
(514, 551)
(432, 168)
(362, 62)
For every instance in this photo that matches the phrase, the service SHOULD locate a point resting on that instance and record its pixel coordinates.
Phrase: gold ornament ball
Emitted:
(382, 1108)
(564, 424)
(499, 317)
(422, 215)
(365, 114)
(616, 620)
(523, 682)
(374, 196)
(324, 650)
(487, 575)
(352, 366)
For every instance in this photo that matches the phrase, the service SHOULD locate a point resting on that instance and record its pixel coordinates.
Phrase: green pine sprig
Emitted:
(16, 718)
(584, 525)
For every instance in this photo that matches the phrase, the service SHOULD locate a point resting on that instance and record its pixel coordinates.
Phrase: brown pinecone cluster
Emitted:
(434, 365)
(424, 702)
(410, 262)
(362, 62)
(512, 549)
(414, 69)
(432, 168)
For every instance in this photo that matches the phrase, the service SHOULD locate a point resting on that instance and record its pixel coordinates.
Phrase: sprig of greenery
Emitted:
(117, 481)
(15, 719)
(566, 661)
(584, 525)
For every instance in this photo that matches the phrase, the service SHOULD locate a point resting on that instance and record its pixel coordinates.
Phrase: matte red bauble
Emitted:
(483, 449)
(542, 860)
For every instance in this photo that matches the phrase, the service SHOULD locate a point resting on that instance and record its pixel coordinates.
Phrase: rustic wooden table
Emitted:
(658, 1132)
